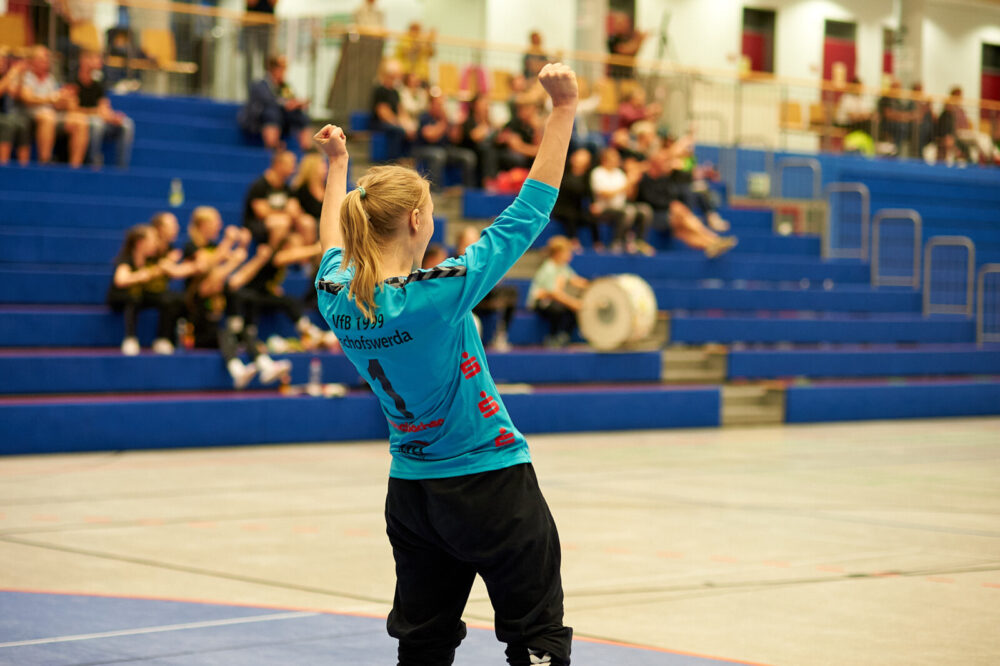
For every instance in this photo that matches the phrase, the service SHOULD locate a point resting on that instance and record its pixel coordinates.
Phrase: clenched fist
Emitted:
(559, 82)
(332, 141)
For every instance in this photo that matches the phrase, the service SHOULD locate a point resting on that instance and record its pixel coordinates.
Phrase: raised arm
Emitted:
(559, 82)
(332, 141)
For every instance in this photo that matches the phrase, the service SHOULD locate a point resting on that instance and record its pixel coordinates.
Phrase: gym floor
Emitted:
(856, 543)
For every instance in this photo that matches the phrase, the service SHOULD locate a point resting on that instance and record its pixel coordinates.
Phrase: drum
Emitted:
(617, 310)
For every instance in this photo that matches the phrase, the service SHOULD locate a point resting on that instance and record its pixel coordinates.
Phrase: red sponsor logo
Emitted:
(505, 438)
(416, 427)
(470, 366)
(488, 405)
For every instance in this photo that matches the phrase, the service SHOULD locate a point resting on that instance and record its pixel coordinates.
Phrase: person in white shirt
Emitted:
(853, 113)
(610, 186)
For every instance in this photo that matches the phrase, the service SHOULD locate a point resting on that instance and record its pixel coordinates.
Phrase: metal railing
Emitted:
(944, 290)
(847, 222)
(900, 254)
(988, 294)
(809, 163)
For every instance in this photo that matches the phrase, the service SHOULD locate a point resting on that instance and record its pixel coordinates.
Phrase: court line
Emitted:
(274, 617)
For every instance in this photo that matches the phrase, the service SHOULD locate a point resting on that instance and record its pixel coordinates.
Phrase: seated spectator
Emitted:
(658, 192)
(263, 291)
(609, 185)
(633, 108)
(519, 139)
(388, 114)
(52, 108)
(270, 204)
(308, 187)
(692, 183)
(553, 292)
(500, 303)
(273, 110)
(897, 115)
(15, 128)
(121, 44)
(104, 121)
(477, 134)
(535, 57)
(957, 136)
(415, 50)
(924, 119)
(140, 281)
(572, 207)
(437, 146)
(853, 113)
(413, 96)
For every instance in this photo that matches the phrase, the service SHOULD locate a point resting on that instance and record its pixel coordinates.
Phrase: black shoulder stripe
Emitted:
(330, 287)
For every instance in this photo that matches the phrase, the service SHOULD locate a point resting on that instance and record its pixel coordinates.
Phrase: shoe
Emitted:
(241, 373)
(130, 346)
(163, 346)
(271, 370)
(720, 247)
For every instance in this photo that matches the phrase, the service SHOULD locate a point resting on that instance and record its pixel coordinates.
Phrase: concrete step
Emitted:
(685, 365)
(753, 404)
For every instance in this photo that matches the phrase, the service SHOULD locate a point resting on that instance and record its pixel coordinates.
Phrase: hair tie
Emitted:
(362, 191)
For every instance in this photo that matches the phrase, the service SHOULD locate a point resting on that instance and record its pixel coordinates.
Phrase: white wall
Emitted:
(953, 46)
(510, 22)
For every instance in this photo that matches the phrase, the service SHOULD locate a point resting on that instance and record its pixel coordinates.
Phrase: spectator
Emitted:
(572, 207)
(437, 146)
(207, 296)
(634, 108)
(140, 281)
(415, 49)
(658, 192)
(924, 120)
(610, 186)
(692, 184)
(309, 186)
(388, 115)
(367, 15)
(270, 204)
(104, 121)
(477, 134)
(519, 139)
(263, 292)
(896, 118)
(258, 35)
(553, 290)
(15, 128)
(273, 110)
(853, 113)
(957, 133)
(623, 41)
(413, 95)
(535, 57)
(52, 108)
(501, 301)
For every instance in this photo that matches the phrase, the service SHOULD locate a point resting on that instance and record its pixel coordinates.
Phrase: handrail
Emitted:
(810, 163)
(848, 253)
(252, 18)
(981, 334)
(949, 241)
(878, 279)
(653, 65)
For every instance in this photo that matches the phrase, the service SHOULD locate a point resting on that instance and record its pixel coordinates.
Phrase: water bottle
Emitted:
(176, 197)
(315, 385)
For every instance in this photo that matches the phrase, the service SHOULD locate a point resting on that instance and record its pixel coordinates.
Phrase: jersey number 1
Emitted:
(378, 375)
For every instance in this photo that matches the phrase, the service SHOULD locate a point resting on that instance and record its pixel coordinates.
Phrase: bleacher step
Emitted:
(753, 404)
(682, 365)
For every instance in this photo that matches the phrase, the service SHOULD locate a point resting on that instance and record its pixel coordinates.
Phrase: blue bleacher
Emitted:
(783, 310)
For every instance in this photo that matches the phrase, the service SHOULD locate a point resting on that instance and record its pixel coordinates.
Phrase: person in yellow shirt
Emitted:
(415, 50)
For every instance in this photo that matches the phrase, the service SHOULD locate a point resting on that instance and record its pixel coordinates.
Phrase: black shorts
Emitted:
(445, 531)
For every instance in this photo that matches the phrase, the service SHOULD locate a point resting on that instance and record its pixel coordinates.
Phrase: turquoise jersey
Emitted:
(422, 355)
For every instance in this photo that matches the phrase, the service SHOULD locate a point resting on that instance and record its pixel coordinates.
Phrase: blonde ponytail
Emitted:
(369, 222)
